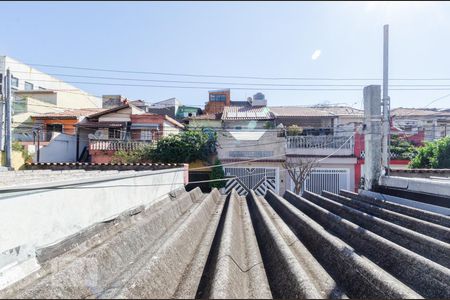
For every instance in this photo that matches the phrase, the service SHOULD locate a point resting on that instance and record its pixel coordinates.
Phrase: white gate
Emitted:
(331, 180)
(258, 179)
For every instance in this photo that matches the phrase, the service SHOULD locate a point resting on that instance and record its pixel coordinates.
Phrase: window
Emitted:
(217, 97)
(19, 106)
(55, 128)
(28, 86)
(14, 82)
(146, 135)
(113, 133)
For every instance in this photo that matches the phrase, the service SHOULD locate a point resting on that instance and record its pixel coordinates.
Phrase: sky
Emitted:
(312, 40)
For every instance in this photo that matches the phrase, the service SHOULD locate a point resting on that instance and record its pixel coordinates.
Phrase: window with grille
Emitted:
(113, 133)
(146, 135)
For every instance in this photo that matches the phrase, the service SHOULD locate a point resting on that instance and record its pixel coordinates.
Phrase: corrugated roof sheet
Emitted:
(298, 111)
(82, 112)
(415, 112)
(217, 116)
(342, 110)
(247, 113)
(194, 245)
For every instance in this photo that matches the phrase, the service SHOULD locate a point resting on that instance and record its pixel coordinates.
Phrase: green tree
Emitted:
(294, 130)
(217, 173)
(184, 147)
(434, 155)
(402, 149)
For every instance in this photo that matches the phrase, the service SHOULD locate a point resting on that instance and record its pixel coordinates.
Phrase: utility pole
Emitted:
(8, 142)
(2, 111)
(372, 132)
(38, 151)
(386, 101)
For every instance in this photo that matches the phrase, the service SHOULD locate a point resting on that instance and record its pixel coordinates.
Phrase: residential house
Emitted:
(253, 137)
(35, 92)
(218, 99)
(167, 107)
(435, 123)
(313, 121)
(348, 118)
(185, 111)
(54, 135)
(125, 127)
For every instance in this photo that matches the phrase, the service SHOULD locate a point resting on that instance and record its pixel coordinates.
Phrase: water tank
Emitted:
(259, 100)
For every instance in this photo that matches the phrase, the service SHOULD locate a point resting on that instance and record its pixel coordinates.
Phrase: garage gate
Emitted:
(258, 179)
(331, 180)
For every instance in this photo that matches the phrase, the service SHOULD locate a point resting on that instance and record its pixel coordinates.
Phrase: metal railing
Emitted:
(115, 145)
(319, 142)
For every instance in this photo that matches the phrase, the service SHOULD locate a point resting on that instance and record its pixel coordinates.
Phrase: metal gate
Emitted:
(331, 180)
(258, 179)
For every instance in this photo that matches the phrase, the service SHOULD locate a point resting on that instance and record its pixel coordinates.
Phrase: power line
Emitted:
(224, 83)
(215, 76)
(243, 88)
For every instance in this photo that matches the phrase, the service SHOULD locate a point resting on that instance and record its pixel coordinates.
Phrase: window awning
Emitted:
(144, 126)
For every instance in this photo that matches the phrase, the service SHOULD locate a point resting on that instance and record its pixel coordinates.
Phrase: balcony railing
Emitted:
(319, 145)
(319, 142)
(115, 145)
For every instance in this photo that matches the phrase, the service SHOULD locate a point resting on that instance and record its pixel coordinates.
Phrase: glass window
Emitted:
(28, 86)
(14, 82)
(217, 98)
(146, 135)
(19, 106)
(113, 133)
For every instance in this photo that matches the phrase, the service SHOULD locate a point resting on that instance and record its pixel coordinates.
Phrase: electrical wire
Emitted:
(215, 76)
(225, 83)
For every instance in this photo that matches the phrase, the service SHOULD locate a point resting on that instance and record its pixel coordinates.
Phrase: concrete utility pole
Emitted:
(372, 131)
(8, 142)
(2, 112)
(386, 101)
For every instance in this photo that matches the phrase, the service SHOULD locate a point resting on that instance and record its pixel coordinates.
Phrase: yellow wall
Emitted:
(17, 159)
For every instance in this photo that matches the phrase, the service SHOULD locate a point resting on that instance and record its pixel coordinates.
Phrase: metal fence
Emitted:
(319, 142)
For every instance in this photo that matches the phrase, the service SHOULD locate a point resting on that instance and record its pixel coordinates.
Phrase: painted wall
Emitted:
(75, 97)
(33, 220)
(168, 129)
(62, 148)
(122, 115)
(17, 160)
(264, 144)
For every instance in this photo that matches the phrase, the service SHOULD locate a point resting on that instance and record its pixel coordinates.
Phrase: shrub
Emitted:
(217, 173)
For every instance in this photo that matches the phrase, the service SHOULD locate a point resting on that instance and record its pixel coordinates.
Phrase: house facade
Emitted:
(433, 122)
(54, 135)
(254, 144)
(126, 127)
(35, 92)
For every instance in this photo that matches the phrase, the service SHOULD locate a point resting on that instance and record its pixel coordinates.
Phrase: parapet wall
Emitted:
(39, 214)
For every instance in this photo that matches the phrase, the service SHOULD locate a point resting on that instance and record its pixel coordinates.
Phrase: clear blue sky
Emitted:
(265, 39)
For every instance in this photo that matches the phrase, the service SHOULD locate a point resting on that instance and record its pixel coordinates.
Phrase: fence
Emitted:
(319, 142)
(118, 145)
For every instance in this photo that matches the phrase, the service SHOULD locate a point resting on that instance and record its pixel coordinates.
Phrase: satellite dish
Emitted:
(92, 136)
(98, 134)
